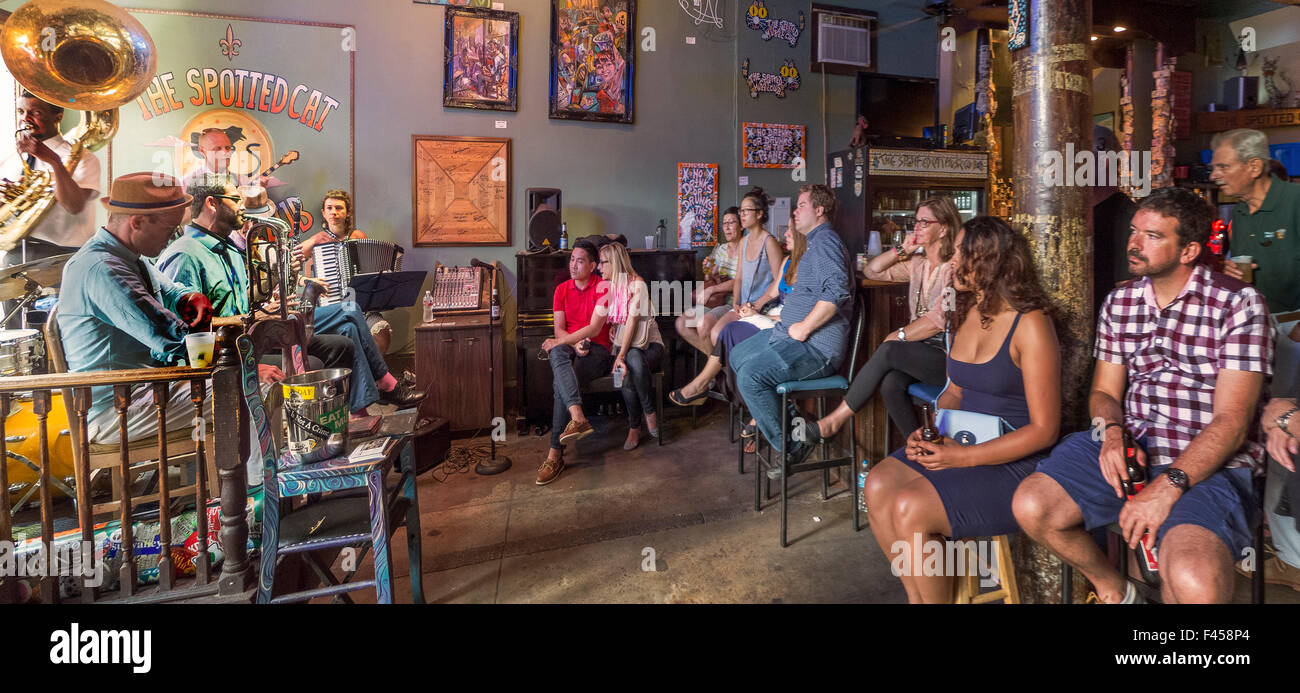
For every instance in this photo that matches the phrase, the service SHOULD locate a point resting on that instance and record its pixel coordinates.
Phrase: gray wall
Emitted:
(616, 178)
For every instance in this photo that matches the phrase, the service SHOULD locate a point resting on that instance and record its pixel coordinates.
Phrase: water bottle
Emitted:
(428, 306)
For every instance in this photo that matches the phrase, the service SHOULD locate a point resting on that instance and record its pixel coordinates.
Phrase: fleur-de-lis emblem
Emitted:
(230, 45)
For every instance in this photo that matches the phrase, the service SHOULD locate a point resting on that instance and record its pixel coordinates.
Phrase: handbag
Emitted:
(968, 427)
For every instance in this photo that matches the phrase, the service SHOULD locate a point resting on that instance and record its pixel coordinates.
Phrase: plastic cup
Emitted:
(1245, 263)
(199, 346)
(649, 242)
(618, 378)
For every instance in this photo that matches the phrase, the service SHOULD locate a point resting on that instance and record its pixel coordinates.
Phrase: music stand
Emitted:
(378, 291)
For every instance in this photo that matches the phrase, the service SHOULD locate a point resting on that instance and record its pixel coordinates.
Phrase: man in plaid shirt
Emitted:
(1188, 352)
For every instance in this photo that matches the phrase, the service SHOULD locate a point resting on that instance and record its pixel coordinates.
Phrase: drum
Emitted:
(22, 352)
(23, 440)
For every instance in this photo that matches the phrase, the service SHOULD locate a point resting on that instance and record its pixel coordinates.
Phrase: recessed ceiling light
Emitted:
(1119, 28)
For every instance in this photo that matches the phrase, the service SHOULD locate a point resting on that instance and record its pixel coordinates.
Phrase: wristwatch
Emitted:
(902, 335)
(1285, 419)
(1177, 478)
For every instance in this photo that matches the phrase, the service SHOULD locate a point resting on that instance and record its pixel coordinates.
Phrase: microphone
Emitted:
(475, 262)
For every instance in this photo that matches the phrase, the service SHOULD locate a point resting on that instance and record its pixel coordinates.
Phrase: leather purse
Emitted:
(969, 427)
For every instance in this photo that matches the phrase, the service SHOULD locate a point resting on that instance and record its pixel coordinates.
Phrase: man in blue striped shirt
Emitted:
(809, 340)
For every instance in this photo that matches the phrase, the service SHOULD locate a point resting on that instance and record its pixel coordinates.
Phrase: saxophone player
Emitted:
(71, 221)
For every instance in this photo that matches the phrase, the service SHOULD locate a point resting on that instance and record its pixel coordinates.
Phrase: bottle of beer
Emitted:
(1137, 480)
(564, 236)
(930, 432)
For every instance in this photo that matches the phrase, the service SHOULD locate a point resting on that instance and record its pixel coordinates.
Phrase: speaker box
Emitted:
(543, 218)
(1241, 92)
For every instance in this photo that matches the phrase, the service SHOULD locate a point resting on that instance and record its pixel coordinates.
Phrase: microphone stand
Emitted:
(494, 465)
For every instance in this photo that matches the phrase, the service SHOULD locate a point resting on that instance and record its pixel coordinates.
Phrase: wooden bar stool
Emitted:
(968, 586)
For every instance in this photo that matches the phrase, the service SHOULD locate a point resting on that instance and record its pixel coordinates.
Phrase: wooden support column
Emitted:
(1052, 108)
(230, 449)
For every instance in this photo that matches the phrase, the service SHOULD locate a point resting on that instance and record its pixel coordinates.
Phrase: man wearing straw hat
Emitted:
(117, 312)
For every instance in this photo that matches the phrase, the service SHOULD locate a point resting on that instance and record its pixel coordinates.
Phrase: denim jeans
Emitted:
(368, 364)
(637, 390)
(569, 372)
(1285, 537)
(765, 368)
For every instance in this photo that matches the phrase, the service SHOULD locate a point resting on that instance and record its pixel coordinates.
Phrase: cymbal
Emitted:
(46, 272)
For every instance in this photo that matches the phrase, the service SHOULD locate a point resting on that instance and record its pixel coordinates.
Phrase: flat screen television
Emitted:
(897, 107)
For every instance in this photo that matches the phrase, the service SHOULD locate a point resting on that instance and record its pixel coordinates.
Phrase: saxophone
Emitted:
(102, 58)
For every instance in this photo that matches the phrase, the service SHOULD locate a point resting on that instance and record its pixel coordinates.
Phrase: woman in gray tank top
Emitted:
(759, 265)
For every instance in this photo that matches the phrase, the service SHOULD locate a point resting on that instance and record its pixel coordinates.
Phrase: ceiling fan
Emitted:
(947, 11)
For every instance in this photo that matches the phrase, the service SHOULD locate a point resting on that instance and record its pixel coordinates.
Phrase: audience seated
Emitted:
(696, 324)
(809, 341)
(917, 350)
(1003, 340)
(579, 353)
(635, 337)
(1282, 494)
(1182, 354)
(758, 268)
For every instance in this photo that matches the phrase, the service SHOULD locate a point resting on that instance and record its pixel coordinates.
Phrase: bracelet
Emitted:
(1120, 425)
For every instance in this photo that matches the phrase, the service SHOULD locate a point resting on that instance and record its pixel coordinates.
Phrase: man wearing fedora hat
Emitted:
(204, 258)
(116, 311)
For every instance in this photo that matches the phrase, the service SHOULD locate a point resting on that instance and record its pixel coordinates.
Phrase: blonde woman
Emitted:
(638, 348)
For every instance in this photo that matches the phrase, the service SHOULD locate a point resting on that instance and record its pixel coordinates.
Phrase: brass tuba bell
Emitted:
(85, 55)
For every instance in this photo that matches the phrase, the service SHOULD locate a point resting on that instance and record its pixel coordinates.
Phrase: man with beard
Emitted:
(1183, 354)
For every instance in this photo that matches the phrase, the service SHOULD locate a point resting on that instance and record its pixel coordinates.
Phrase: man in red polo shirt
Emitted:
(579, 352)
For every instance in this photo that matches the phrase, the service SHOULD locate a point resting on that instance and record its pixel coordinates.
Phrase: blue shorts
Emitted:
(1219, 504)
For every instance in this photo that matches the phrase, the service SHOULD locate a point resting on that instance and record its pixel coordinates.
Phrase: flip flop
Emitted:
(748, 431)
(676, 397)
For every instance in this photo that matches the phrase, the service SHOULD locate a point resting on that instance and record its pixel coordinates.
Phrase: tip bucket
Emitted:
(316, 409)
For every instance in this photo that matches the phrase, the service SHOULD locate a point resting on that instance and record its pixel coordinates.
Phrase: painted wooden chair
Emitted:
(335, 521)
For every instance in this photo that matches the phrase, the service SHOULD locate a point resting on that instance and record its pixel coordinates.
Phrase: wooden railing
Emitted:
(228, 446)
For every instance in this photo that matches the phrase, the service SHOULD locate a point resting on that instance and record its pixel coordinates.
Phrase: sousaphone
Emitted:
(84, 55)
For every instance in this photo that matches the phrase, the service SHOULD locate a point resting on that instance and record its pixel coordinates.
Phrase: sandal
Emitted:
(676, 397)
(751, 446)
(748, 430)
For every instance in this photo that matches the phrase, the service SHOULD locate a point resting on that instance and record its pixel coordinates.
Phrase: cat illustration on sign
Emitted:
(773, 28)
(778, 84)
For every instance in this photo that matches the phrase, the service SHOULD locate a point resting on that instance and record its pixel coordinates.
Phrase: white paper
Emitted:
(498, 5)
(690, 40)
(780, 212)
(839, 162)
(501, 125)
(744, 180)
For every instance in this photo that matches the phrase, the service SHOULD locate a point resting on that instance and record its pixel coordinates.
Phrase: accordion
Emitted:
(337, 263)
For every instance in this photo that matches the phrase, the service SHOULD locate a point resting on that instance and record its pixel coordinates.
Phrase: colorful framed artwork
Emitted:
(460, 190)
(1017, 24)
(481, 59)
(456, 3)
(772, 145)
(592, 59)
(697, 195)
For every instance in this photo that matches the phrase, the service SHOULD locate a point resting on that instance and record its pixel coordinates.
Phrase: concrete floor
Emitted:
(583, 538)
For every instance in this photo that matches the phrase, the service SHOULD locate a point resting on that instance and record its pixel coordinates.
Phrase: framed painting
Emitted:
(481, 59)
(460, 190)
(697, 197)
(456, 3)
(592, 58)
(772, 145)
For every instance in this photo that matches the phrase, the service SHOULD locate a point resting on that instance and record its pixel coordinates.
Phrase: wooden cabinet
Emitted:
(451, 365)
(886, 311)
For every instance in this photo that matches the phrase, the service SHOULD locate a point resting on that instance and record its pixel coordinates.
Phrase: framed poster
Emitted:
(772, 145)
(455, 3)
(480, 62)
(697, 195)
(227, 99)
(592, 59)
(460, 190)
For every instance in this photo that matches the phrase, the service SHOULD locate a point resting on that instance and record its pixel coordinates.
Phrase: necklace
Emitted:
(923, 289)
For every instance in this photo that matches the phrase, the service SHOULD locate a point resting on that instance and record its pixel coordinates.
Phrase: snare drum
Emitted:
(22, 352)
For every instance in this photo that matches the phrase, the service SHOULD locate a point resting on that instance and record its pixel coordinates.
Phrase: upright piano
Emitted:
(539, 274)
